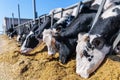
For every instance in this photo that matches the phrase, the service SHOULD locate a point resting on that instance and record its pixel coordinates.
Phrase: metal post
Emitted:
(13, 19)
(34, 9)
(19, 21)
(44, 18)
(62, 12)
(9, 23)
(52, 16)
(78, 8)
(19, 15)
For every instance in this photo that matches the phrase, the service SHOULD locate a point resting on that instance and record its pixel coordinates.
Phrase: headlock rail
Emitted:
(52, 15)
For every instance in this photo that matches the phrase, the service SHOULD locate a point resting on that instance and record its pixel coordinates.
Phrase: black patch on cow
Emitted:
(64, 53)
(66, 49)
(78, 25)
(116, 10)
(89, 59)
(31, 42)
(92, 56)
(85, 53)
(106, 28)
(89, 45)
(117, 3)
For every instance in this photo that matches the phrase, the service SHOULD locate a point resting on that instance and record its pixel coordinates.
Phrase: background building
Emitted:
(8, 22)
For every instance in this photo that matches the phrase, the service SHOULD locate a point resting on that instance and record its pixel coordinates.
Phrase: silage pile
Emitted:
(40, 66)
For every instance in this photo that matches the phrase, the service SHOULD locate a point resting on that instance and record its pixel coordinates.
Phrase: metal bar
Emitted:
(44, 18)
(19, 14)
(52, 16)
(78, 8)
(117, 40)
(70, 7)
(62, 12)
(34, 9)
(98, 13)
(13, 20)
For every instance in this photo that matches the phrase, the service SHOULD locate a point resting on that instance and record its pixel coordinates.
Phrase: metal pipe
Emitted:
(19, 22)
(52, 16)
(70, 7)
(34, 9)
(13, 20)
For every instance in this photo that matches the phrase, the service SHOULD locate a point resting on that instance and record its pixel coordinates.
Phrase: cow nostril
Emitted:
(85, 53)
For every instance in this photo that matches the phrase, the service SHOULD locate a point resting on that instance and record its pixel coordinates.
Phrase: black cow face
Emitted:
(63, 53)
(21, 38)
(30, 43)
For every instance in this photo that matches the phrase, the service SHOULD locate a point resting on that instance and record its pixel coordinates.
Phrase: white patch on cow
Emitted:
(49, 41)
(18, 38)
(84, 67)
(63, 18)
(55, 10)
(92, 37)
(23, 48)
(108, 3)
(109, 12)
(54, 30)
(96, 2)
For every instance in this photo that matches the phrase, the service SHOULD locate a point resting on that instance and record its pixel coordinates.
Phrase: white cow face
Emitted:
(49, 40)
(89, 56)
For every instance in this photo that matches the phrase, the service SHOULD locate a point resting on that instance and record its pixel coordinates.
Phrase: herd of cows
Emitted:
(73, 35)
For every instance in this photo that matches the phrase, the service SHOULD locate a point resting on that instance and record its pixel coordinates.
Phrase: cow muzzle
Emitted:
(26, 50)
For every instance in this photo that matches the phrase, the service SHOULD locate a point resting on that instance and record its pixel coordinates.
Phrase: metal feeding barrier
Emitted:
(31, 22)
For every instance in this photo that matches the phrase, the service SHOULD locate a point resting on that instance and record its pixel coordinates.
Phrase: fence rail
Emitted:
(52, 15)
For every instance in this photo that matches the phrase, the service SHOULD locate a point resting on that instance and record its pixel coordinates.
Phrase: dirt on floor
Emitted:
(39, 66)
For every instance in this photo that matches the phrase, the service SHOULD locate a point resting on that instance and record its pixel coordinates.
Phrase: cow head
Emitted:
(49, 40)
(62, 22)
(30, 43)
(91, 44)
(21, 38)
(91, 50)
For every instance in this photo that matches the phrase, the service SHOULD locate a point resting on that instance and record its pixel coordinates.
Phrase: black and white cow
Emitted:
(23, 31)
(35, 36)
(65, 20)
(93, 46)
(65, 40)
(11, 32)
(28, 46)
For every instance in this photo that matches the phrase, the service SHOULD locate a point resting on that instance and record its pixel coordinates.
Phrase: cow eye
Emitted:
(98, 43)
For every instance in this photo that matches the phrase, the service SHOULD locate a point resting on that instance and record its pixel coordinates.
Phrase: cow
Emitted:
(23, 31)
(64, 41)
(65, 20)
(35, 36)
(27, 45)
(11, 32)
(93, 46)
